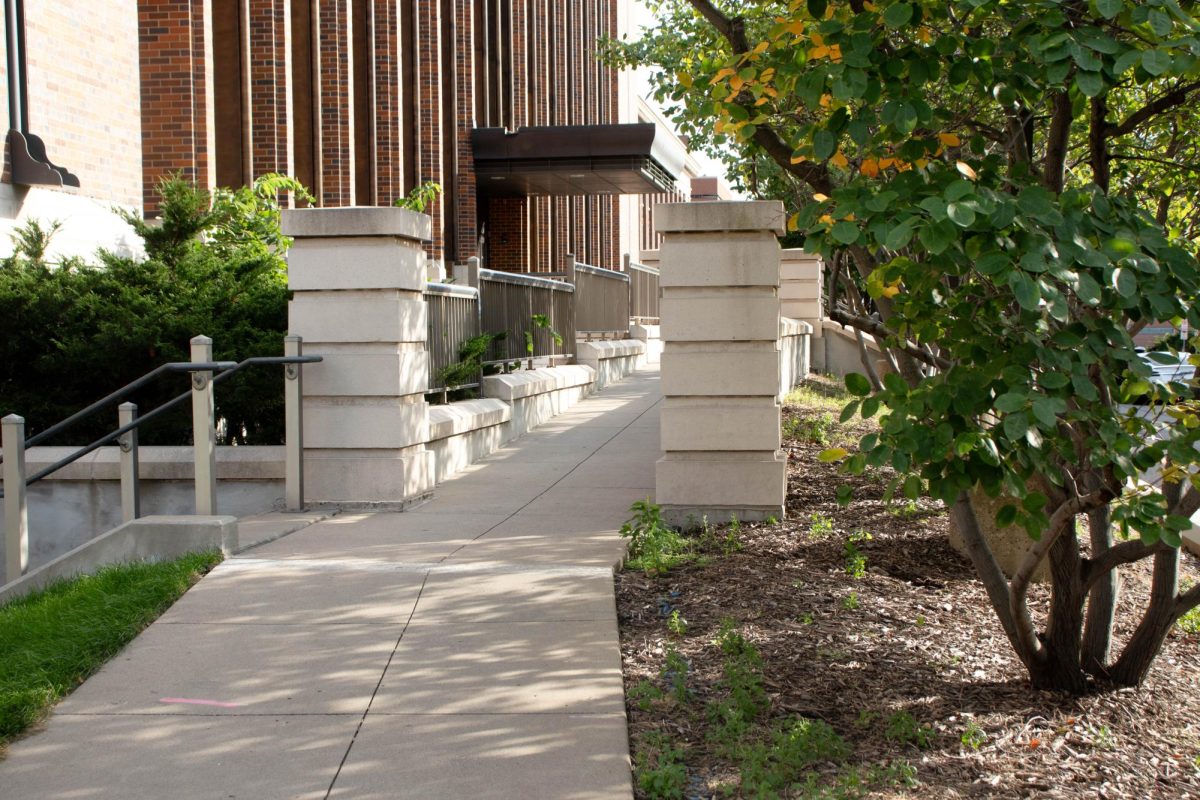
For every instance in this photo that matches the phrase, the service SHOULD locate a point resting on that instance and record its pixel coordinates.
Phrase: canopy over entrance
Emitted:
(569, 160)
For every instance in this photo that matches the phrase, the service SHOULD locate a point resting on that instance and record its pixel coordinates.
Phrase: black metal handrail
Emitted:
(226, 368)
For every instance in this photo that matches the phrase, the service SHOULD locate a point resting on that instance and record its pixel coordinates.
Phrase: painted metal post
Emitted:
(131, 498)
(294, 426)
(16, 510)
(204, 429)
(473, 266)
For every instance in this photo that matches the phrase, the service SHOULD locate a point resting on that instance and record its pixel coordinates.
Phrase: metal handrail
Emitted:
(228, 368)
(523, 279)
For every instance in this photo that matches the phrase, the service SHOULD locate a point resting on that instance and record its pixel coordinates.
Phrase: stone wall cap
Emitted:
(356, 221)
(755, 215)
(613, 348)
(794, 327)
(530, 382)
(465, 416)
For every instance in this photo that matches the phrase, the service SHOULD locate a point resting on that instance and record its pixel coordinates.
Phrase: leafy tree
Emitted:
(1004, 194)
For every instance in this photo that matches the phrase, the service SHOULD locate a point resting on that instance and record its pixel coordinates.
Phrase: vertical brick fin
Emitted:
(429, 104)
(270, 61)
(466, 227)
(389, 176)
(174, 111)
(336, 103)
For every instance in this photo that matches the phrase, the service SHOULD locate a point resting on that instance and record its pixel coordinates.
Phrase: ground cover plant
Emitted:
(51, 641)
(1004, 194)
(749, 671)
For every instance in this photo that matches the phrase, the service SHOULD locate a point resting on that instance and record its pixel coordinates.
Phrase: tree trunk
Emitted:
(1102, 602)
(1147, 640)
(1061, 668)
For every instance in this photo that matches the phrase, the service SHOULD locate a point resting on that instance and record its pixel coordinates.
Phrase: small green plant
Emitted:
(643, 694)
(675, 672)
(771, 766)
(676, 624)
(541, 322)
(973, 736)
(771, 520)
(420, 198)
(903, 727)
(659, 768)
(816, 430)
(1103, 739)
(806, 619)
(850, 602)
(908, 510)
(866, 718)
(654, 546)
(746, 698)
(1189, 622)
(471, 355)
(856, 562)
(820, 526)
(920, 621)
(31, 240)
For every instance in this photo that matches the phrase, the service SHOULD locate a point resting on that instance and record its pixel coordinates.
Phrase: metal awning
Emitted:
(567, 160)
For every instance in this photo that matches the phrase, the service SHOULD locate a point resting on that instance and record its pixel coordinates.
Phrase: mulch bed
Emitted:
(918, 636)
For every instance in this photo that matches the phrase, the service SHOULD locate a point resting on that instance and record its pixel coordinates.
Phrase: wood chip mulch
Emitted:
(918, 635)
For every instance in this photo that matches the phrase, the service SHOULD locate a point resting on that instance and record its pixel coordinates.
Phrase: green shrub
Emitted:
(71, 334)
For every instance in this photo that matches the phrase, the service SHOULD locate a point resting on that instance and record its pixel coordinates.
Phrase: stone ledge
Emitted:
(758, 215)
(527, 383)
(794, 327)
(246, 463)
(588, 352)
(466, 416)
(148, 538)
(329, 222)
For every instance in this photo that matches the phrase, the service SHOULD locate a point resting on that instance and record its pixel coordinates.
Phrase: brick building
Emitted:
(502, 102)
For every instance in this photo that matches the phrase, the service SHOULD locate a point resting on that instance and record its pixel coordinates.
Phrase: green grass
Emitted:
(52, 640)
(823, 394)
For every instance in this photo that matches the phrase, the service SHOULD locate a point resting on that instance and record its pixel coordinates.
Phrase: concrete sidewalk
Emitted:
(465, 649)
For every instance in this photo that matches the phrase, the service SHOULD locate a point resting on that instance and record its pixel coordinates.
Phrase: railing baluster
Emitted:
(293, 411)
(16, 509)
(131, 500)
(204, 430)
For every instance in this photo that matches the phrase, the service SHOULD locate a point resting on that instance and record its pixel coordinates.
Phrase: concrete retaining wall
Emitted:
(611, 360)
(795, 347)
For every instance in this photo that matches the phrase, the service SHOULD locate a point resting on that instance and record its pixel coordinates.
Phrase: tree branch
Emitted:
(1056, 142)
(1126, 552)
(881, 331)
(1176, 97)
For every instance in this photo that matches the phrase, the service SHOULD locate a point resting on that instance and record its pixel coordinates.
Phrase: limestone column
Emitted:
(720, 363)
(358, 276)
(801, 296)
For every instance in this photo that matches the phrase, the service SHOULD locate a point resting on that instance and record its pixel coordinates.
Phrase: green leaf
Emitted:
(899, 236)
(993, 263)
(1006, 516)
(846, 232)
(1010, 402)
(824, 144)
(849, 411)
(1044, 411)
(870, 407)
(1160, 23)
(1125, 282)
(1090, 83)
(898, 15)
(857, 384)
(1127, 62)
(1016, 426)
(817, 8)
(1034, 502)
(1053, 380)
(1026, 290)
(1109, 8)
(845, 493)
(1156, 62)
(961, 214)
(912, 487)
(832, 455)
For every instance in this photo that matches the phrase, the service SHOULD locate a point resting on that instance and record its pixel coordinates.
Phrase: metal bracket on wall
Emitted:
(31, 166)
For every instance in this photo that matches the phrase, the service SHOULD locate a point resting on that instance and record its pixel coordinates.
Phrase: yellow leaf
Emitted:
(884, 163)
(796, 27)
(685, 79)
(817, 39)
(736, 83)
(820, 198)
(761, 47)
(799, 159)
(850, 218)
(949, 139)
(966, 171)
(832, 454)
(761, 101)
(924, 35)
(870, 168)
(722, 75)
(821, 51)
(892, 290)
(825, 218)
(922, 163)
(835, 53)
(839, 159)
(794, 222)
(826, 100)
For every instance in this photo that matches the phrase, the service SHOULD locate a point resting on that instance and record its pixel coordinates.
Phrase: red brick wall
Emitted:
(389, 164)
(336, 92)
(270, 59)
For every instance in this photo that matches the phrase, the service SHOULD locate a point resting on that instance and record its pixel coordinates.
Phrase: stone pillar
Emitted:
(720, 363)
(358, 276)
(801, 296)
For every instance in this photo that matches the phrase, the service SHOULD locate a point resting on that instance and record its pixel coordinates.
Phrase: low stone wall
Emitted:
(145, 539)
(651, 336)
(537, 395)
(841, 352)
(464, 432)
(795, 353)
(611, 360)
(83, 500)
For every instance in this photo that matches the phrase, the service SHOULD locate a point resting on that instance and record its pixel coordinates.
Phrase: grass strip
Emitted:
(52, 640)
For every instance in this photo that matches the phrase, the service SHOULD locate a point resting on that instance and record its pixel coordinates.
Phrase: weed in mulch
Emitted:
(850, 652)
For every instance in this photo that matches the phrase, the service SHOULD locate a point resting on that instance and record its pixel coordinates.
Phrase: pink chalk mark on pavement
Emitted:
(185, 701)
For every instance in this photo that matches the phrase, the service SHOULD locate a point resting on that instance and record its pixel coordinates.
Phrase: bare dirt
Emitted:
(913, 634)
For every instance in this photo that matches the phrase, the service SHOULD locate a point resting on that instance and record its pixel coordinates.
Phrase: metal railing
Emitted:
(509, 303)
(601, 299)
(643, 292)
(453, 320)
(205, 374)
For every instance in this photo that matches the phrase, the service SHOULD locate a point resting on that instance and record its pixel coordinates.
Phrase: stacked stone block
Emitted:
(358, 275)
(720, 363)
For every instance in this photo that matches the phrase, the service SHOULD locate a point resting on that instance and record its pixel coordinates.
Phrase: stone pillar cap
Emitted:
(356, 221)
(756, 215)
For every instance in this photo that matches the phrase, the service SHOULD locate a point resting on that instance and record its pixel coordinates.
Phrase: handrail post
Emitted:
(293, 346)
(473, 266)
(131, 500)
(204, 429)
(16, 509)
